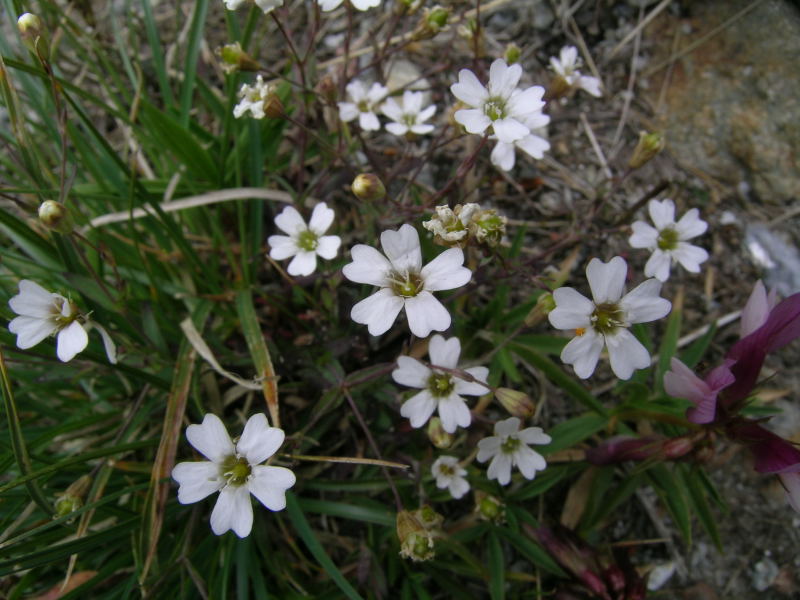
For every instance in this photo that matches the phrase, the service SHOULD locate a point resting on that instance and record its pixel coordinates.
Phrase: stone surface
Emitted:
(731, 107)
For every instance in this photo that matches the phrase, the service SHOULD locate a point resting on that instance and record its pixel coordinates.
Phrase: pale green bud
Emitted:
(367, 186)
(518, 404)
(437, 435)
(56, 217)
(648, 146)
(512, 53)
(234, 58)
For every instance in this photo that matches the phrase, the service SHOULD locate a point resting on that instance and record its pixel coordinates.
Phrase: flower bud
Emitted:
(487, 227)
(56, 217)
(72, 499)
(438, 436)
(367, 186)
(235, 59)
(512, 53)
(273, 106)
(677, 447)
(432, 23)
(489, 508)
(518, 404)
(326, 87)
(29, 25)
(545, 304)
(648, 146)
(416, 540)
(33, 34)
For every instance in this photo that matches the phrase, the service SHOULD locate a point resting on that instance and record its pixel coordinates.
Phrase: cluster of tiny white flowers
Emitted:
(407, 118)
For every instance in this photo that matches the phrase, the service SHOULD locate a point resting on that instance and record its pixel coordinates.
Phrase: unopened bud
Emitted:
(512, 53)
(487, 227)
(545, 304)
(518, 404)
(33, 34)
(408, 7)
(72, 499)
(677, 447)
(29, 25)
(432, 23)
(273, 106)
(56, 216)
(648, 146)
(235, 59)
(438, 436)
(489, 508)
(367, 186)
(327, 89)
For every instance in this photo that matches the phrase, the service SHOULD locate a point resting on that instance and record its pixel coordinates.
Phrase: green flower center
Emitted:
(57, 312)
(235, 470)
(363, 106)
(440, 384)
(446, 469)
(406, 284)
(668, 239)
(509, 445)
(607, 318)
(307, 240)
(409, 119)
(495, 108)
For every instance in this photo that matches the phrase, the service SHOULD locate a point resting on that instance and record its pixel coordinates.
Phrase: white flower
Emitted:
(235, 471)
(440, 390)
(364, 104)
(566, 67)
(253, 98)
(42, 314)
(304, 242)
(508, 448)
(667, 241)
(404, 283)
(502, 106)
(266, 5)
(503, 155)
(410, 117)
(449, 474)
(605, 321)
(328, 5)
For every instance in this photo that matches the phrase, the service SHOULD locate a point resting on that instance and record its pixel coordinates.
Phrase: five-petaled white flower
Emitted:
(364, 104)
(235, 471)
(441, 390)
(328, 5)
(503, 106)
(605, 321)
(42, 314)
(449, 474)
(509, 447)
(667, 240)
(404, 283)
(566, 67)
(253, 98)
(304, 242)
(504, 153)
(410, 117)
(266, 5)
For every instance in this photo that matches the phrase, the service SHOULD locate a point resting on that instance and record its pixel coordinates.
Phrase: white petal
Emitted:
(534, 146)
(377, 92)
(269, 485)
(210, 439)
(524, 102)
(411, 372)
(197, 480)
(368, 121)
(473, 120)
(509, 130)
(108, 344)
(658, 265)
(573, 309)
(412, 102)
(590, 85)
(348, 111)
(303, 263)
(402, 248)
(690, 225)
(503, 79)
(378, 311)
(71, 340)
(282, 246)
(364, 4)
(626, 354)
(458, 487)
(607, 280)
(368, 266)
(259, 441)
(500, 469)
(503, 156)
(268, 5)
(328, 246)
(690, 256)
(662, 212)
(488, 447)
(507, 427)
(328, 5)
(468, 89)
(233, 511)
(644, 236)
(392, 109)
(534, 435)
(397, 128)
(453, 412)
(425, 314)
(445, 272)
(419, 408)
(583, 352)
(643, 303)
(356, 91)
(289, 221)
(422, 129)
(32, 301)
(471, 388)
(31, 330)
(321, 218)
(426, 113)
(529, 461)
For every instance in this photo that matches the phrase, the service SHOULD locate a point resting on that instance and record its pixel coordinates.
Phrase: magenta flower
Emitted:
(681, 382)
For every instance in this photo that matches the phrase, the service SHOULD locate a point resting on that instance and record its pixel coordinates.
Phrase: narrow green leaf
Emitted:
(496, 568)
(192, 54)
(669, 341)
(569, 433)
(671, 492)
(353, 512)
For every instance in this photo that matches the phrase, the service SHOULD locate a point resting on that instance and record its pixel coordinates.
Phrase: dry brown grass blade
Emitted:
(577, 497)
